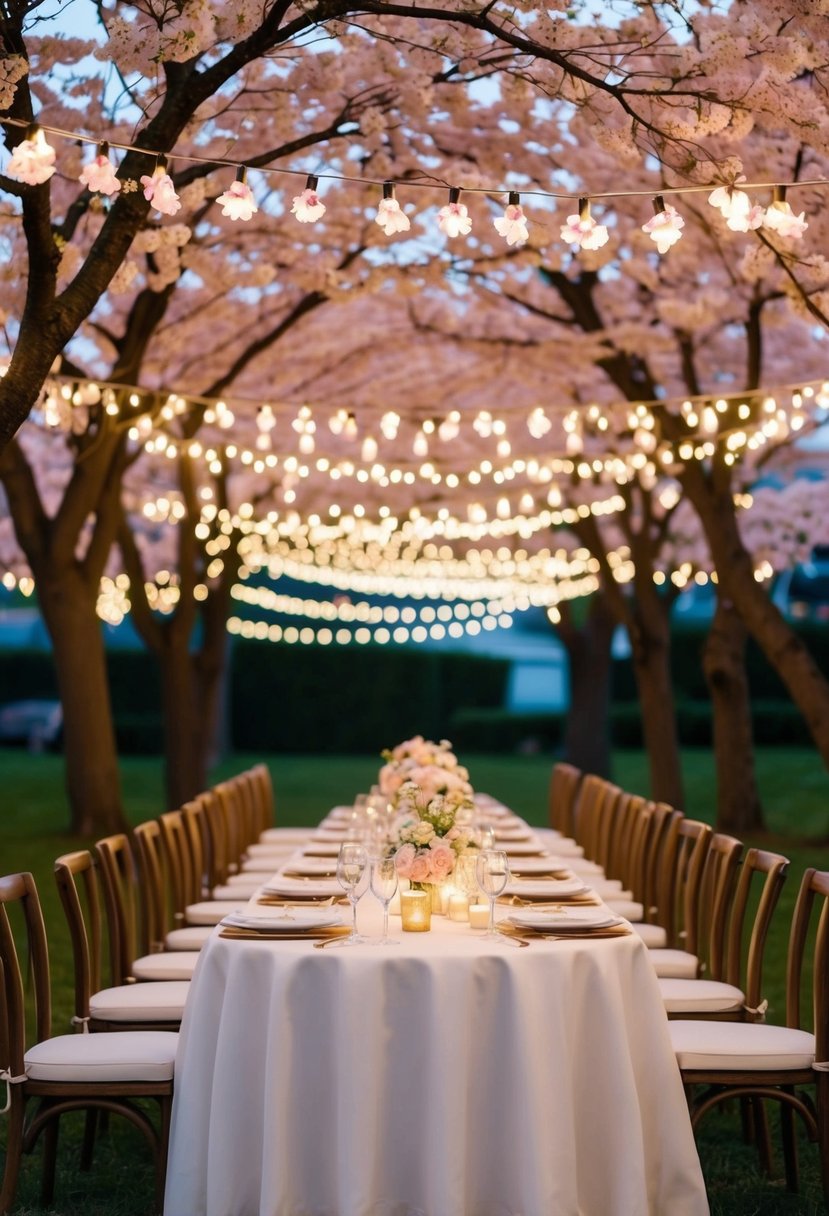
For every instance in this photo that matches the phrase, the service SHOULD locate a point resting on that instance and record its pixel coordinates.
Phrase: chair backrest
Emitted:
(124, 913)
(19, 891)
(660, 829)
(771, 868)
(587, 812)
(610, 812)
(185, 881)
(564, 783)
(262, 798)
(717, 890)
(154, 881)
(812, 900)
(78, 885)
(681, 881)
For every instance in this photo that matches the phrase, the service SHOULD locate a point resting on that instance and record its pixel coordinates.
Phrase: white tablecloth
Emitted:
(445, 1076)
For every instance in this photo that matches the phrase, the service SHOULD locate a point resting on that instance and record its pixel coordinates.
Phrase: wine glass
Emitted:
(486, 835)
(383, 886)
(351, 867)
(492, 873)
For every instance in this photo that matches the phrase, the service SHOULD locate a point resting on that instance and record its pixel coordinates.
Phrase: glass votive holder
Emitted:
(459, 907)
(415, 911)
(479, 916)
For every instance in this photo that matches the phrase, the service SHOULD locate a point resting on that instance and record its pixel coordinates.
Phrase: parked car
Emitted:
(37, 724)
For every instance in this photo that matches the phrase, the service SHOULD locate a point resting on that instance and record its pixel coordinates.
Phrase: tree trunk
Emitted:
(651, 653)
(191, 689)
(786, 652)
(738, 799)
(92, 779)
(587, 727)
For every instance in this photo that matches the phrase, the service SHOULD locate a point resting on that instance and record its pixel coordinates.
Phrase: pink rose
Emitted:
(442, 860)
(403, 859)
(421, 870)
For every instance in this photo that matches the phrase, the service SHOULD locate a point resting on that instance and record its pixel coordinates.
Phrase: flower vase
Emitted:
(435, 892)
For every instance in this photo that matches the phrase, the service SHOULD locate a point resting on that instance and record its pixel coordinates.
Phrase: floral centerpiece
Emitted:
(432, 795)
(429, 840)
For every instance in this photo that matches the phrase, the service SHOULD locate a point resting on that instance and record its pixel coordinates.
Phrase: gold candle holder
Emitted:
(416, 911)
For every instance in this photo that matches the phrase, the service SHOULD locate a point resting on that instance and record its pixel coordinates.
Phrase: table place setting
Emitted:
(563, 923)
(551, 890)
(288, 923)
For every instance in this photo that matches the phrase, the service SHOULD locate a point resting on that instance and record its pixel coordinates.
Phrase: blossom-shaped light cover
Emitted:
(733, 205)
(781, 219)
(160, 191)
(306, 206)
(237, 202)
(582, 229)
(99, 175)
(453, 219)
(33, 160)
(512, 225)
(389, 215)
(665, 225)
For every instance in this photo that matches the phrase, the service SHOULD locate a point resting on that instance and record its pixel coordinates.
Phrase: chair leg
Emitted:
(762, 1135)
(166, 1109)
(50, 1155)
(14, 1152)
(88, 1146)
(822, 1104)
(789, 1136)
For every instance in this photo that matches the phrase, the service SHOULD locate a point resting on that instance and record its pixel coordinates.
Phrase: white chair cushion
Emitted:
(210, 912)
(191, 938)
(700, 996)
(739, 1045)
(609, 888)
(177, 965)
(582, 867)
(629, 908)
(241, 892)
(134, 1055)
(160, 1002)
(674, 964)
(654, 936)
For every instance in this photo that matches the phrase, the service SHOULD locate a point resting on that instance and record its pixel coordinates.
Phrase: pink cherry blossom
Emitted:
(238, 202)
(390, 217)
(512, 225)
(32, 161)
(99, 176)
(160, 191)
(453, 220)
(584, 231)
(307, 207)
(665, 228)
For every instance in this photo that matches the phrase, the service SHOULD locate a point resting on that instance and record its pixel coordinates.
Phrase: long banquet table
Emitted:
(444, 1076)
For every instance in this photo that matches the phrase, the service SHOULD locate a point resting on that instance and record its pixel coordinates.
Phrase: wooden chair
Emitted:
(183, 834)
(564, 783)
(92, 1072)
(680, 886)
(722, 1060)
(129, 914)
(122, 1005)
(732, 988)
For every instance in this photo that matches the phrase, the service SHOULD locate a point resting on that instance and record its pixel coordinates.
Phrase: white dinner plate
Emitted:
(287, 920)
(550, 888)
(307, 887)
(540, 865)
(521, 848)
(309, 867)
(574, 920)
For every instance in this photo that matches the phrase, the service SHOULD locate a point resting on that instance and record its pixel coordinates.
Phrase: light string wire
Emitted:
(405, 183)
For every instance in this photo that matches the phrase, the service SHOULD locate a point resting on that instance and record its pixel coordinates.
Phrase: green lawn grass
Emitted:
(33, 831)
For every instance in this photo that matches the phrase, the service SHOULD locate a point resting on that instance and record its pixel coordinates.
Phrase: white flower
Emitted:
(747, 221)
(99, 176)
(453, 220)
(307, 207)
(512, 225)
(781, 219)
(32, 161)
(584, 231)
(390, 218)
(665, 228)
(160, 191)
(238, 202)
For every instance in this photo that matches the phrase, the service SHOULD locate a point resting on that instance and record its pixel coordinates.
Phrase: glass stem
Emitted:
(353, 917)
(385, 921)
(491, 914)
